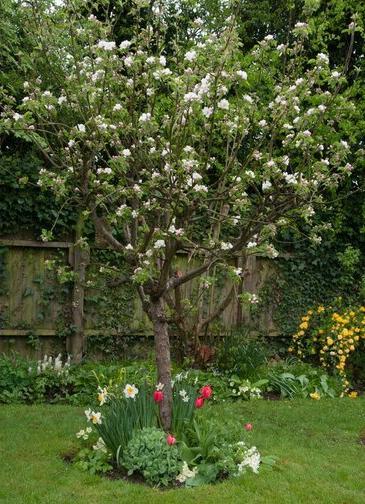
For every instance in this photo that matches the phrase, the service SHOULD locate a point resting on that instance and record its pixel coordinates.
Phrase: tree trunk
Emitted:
(163, 359)
(76, 342)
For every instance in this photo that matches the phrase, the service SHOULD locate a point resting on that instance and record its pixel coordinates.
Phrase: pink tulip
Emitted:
(199, 402)
(170, 440)
(206, 391)
(158, 395)
(248, 426)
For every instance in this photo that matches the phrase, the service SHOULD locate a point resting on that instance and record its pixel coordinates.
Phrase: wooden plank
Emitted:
(35, 244)
(53, 332)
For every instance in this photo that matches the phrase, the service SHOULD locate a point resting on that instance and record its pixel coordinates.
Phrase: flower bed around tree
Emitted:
(125, 437)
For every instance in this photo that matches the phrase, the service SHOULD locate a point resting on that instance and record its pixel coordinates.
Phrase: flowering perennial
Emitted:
(332, 335)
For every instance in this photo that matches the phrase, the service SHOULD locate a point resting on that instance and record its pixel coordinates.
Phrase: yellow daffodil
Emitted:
(315, 396)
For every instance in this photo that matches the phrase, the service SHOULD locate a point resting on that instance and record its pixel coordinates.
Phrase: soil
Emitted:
(272, 396)
(118, 473)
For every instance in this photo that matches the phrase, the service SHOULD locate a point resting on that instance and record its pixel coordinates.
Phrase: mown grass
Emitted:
(317, 443)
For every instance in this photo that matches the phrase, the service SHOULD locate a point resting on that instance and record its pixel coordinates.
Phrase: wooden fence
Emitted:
(34, 308)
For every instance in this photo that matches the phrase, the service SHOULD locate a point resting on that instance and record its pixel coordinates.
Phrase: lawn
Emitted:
(317, 443)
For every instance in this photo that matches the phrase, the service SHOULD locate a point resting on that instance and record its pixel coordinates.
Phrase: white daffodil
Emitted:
(102, 395)
(94, 417)
(130, 391)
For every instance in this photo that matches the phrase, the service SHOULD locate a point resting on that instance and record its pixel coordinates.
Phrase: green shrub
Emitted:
(241, 355)
(149, 454)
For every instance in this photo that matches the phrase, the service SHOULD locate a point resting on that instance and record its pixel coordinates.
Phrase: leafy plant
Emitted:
(93, 461)
(291, 386)
(149, 454)
(244, 389)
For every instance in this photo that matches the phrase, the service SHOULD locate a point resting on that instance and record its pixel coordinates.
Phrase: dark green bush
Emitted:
(241, 355)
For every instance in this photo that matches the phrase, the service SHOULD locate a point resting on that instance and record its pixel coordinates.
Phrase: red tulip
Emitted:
(170, 440)
(199, 402)
(158, 395)
(206, 391)
(248, 426)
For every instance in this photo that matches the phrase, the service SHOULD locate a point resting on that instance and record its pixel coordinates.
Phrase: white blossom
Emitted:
(226, 246)
(207, 111)
(190, 56)
(242, 74)
(125, 44)
(223, 104)
(145, 117)
(106, 45)
(251, 244)
(266, 185)
(159, 244)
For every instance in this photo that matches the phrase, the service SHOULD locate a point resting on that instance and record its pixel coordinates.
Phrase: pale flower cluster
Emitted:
(186, 473)
(53, 364)
(252, 460)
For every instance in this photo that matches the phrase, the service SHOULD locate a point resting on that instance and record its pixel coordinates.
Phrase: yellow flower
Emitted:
(320, 309)
(352, 348)
(353, 394)
(303, 325)
(330, 341)
(315, 396)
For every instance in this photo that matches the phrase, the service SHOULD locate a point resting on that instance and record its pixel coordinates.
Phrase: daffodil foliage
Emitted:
(198, 148)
